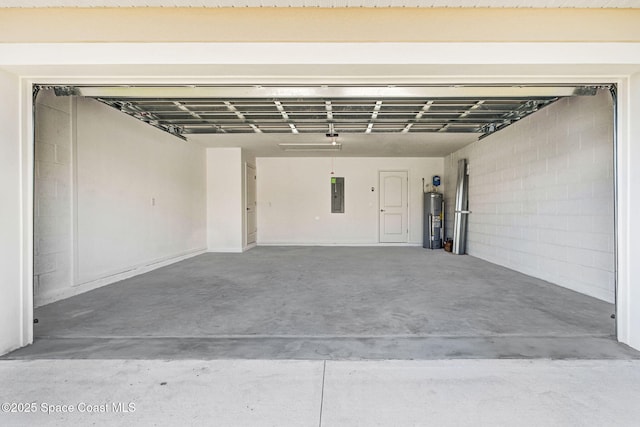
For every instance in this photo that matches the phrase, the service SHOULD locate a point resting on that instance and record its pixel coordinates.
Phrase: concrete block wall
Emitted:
(140, 196)
(53, 251)
(114, 197)
(541, 194)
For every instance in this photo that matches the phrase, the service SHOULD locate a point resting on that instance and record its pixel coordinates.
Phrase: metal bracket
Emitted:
(35, 90)
(613, 89)
(66, 91)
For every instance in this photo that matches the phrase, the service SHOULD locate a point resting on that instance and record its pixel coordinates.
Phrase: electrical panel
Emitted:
(337, 195)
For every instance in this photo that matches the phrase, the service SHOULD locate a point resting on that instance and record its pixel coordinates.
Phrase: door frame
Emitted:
(407, 207)
(245, 231)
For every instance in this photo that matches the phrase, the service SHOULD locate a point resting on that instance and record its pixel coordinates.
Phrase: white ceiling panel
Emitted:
(326, 3)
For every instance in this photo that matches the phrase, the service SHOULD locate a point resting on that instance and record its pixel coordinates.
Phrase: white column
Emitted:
(12, 328)
(629, 213)
(224, 200)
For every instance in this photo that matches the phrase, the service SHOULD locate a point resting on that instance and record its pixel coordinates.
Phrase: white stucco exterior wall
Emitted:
(11, 216)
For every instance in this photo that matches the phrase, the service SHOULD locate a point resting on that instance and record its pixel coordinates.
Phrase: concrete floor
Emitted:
(328, 303)
(317, 393)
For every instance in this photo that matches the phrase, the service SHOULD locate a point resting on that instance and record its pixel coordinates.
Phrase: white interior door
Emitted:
(250, 184)
(394, 207)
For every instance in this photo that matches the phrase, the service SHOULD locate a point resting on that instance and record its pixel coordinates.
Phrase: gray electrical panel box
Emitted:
(337, 195)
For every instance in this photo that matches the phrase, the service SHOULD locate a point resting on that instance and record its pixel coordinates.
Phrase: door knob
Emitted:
(381, 210)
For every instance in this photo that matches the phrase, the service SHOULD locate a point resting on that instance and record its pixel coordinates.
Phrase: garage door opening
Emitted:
(130, 179)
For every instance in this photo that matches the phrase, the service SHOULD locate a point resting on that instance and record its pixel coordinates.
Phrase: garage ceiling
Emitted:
(361, 120)
(324, 109)
(327, 3)
(189, 116)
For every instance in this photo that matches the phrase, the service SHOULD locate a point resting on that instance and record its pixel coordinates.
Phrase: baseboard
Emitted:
(81, 288)
(249, 246)
(340, 244)
(225, 250)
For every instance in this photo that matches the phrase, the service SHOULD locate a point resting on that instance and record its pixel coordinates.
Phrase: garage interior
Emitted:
(152, 240)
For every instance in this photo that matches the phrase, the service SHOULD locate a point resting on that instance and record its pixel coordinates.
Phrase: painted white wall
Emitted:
(541, 195)
(140, 193)
(10, 215)
(225, 200)
(294, 205)
(53, 201)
